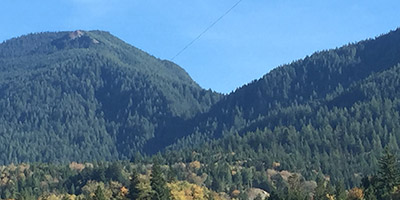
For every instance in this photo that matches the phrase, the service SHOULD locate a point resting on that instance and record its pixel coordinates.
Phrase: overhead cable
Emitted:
(208, 28)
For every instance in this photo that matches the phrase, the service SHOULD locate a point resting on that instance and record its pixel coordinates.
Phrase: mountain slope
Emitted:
(330, 113)
(88, 95)
(306, 81)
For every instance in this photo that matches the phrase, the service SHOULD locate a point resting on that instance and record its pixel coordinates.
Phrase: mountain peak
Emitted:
(75, 39)
(76, 34)
(93, 79)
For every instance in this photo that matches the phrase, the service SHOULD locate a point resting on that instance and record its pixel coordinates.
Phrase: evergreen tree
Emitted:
(158, 184)
(340, 191)
(388, 175)
(134, 191)
(274, 196)
(99, 194)
(368, 184)
(114, 172)
(322, 189)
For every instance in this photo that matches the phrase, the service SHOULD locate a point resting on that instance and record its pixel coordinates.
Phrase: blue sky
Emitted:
(257, 36)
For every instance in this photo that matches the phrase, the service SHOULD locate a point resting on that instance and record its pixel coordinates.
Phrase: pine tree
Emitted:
(340, 191)
(99, 194)
(158, 184)
(114, 172)
(134, 190)
(274, 196)
(322, 189)
(388, 175)
(369, 186)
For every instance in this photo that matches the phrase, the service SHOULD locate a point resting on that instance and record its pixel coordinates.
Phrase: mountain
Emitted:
(307, 81)
(87, 95)
(331, 113)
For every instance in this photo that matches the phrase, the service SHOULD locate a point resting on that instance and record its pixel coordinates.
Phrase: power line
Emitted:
(208, 28)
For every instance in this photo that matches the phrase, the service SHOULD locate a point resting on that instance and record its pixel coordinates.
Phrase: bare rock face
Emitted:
(75, 39)
(94, 41)
(76, 34)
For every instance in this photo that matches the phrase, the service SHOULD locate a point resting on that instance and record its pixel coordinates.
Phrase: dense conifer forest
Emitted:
(89, 96)
(84, 115)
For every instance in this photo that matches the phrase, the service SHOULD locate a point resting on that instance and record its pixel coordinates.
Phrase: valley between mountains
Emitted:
(84, 113)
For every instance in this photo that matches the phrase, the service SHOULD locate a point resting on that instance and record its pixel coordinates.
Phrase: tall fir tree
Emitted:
(388, 175)
(340, 191)
(134, 191)
(158, 184)
(99, 194)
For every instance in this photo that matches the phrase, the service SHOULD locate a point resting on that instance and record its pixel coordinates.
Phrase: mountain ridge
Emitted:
(83, 92)
(268, 88)
(332, 113)
(110, 100)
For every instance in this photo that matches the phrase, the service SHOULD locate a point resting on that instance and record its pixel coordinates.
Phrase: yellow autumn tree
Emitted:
(355, 194)
(91, 186)
(183, 190)
(195, 165)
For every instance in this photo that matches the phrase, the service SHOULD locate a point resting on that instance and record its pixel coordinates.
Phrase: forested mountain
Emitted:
(330, 113)
(89, 96)
(84, 96)
(309, 81)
